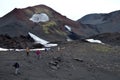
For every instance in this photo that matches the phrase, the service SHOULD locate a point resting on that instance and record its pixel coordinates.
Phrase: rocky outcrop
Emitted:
(16, 42)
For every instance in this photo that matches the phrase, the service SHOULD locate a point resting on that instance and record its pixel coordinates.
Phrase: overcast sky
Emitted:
(73, 9)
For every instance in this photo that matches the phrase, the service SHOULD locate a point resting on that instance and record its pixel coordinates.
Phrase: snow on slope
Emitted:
(42, 17)
(41, 41)
(68, 28)
(94, 41)
(37, 39)
(3, 49)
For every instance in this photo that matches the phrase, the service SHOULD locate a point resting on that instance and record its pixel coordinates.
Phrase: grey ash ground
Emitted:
(75, 61)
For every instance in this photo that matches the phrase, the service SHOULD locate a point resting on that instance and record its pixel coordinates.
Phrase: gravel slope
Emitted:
(75, 61)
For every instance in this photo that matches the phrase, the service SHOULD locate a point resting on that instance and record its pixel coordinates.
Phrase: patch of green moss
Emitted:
(48, 25)
(101, 48)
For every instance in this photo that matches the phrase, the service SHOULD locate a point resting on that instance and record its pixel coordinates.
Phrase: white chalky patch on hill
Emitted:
(42, 17)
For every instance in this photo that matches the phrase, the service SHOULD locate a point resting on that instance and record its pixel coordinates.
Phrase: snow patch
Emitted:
(50, 45)
(37, 39)
(42, 17)
(94, 41)
(41, 41)
(68, 28)
(68, 39)
(3, 49)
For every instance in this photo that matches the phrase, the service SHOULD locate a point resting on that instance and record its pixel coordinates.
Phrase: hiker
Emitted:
(27, 51)
(38, 54)
(16, 66)
(58, 48)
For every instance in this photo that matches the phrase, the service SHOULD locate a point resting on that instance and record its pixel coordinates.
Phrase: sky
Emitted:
(73, 9)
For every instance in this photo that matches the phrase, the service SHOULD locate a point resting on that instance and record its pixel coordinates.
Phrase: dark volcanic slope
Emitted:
(108, 38)
(17, 23)
(101, 23)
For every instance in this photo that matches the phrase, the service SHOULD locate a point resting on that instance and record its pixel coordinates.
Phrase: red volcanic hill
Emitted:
(15, 26)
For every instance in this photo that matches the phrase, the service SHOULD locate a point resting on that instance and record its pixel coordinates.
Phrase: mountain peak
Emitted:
(41, 20)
